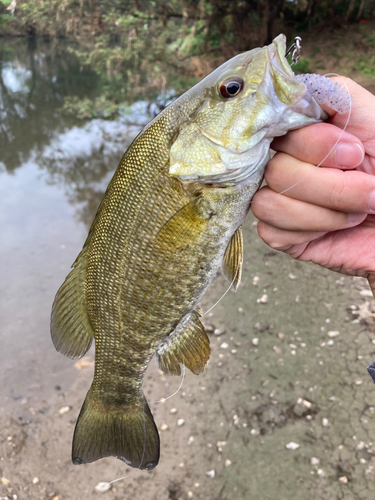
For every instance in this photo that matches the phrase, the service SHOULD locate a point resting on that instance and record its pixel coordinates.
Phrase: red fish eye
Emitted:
(231, 87)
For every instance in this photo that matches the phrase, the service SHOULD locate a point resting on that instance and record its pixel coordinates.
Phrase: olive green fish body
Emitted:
(170, 218)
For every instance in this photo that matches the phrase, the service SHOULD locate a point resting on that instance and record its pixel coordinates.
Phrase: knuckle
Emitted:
(269, 236)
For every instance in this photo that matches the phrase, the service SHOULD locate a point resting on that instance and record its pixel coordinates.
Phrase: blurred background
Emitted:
(78, 80)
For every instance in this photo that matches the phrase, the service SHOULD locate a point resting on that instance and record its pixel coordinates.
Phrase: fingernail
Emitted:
(356, 218)
(371, 202)
(349, 154)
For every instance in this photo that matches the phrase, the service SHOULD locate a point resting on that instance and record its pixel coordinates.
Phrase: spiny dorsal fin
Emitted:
(188, 345)
(233, 258)
(70, 326)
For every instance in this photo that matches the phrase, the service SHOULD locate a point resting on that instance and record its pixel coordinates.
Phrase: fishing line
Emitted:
(224, 294)
(182, 381)
(336, 143)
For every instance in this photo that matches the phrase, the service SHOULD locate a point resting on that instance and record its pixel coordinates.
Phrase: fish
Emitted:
(170, 218)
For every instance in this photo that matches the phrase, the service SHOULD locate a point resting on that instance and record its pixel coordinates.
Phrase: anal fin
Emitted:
(187, 345)
(233, 258)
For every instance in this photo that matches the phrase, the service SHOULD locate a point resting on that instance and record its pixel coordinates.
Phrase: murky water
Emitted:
(278, 375)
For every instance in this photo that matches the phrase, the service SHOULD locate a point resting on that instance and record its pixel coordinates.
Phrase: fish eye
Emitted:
(231, 87)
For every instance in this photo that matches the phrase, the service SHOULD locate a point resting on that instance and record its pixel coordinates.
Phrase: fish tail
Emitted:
(126, 432)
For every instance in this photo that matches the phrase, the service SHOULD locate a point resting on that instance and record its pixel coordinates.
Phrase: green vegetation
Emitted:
(136, 45)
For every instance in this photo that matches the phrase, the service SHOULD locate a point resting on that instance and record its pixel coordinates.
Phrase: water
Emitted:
(296, 384)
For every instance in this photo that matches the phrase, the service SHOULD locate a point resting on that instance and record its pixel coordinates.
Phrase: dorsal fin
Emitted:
(188, 345)
(70, 326)
(233, 258)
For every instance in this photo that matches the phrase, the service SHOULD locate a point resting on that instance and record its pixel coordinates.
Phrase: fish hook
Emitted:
(295, 50)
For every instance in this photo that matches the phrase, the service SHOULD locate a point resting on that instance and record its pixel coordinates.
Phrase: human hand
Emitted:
(325, 215)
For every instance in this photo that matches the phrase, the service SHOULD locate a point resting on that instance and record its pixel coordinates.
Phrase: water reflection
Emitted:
(34, 79)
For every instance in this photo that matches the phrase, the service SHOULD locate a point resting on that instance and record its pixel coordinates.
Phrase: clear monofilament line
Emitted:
(171, 396)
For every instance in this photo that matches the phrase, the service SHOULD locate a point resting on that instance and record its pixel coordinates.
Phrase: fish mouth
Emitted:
(289, 90)
(276, 52)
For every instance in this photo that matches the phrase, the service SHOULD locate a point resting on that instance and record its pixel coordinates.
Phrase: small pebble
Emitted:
(255, 341)
(358, 381)
(305, 403)
(219, 445)
(365, 293)
(227, 463)
(255, 280)
(36, 480)
(209, 328)
(254, 432)
(333, 334)
(224, 345)
(83, 363)
(320, 472)
(218, 332)
(330, 342)
(64, 409)
(190, 440)
(292, 446)
(263, 299)
(292, 276)
(4, 481)
(196, 485)
(281, 335)
(343, 479)
(190, 494)
(210, 473)
(361, 445)
(325, 422)
(315, 461)
(164, 427)
(174, 410)
(180, 422)
(233, 351)
(102, 487)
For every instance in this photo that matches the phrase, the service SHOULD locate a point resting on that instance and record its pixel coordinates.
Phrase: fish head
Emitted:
(242, 106)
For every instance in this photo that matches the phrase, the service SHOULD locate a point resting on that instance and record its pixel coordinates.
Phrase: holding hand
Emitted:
(325, 215)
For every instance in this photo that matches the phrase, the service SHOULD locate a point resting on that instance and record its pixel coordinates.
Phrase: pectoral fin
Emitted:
(233, 258)
(185, 225)
(188, 345)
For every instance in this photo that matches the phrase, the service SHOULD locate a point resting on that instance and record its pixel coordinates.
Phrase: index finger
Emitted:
(322, 144)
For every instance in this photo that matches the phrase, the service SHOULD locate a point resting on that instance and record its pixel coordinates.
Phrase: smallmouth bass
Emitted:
(171, 216)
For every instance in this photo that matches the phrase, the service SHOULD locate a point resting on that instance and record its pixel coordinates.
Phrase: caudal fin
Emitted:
(129, 434)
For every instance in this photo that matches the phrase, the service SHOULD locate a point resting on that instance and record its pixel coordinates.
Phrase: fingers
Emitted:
(349, 191)
(285, 213)
(280, 239)
(322, 144)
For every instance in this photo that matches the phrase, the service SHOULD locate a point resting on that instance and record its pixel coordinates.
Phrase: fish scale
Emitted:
(170, 218)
